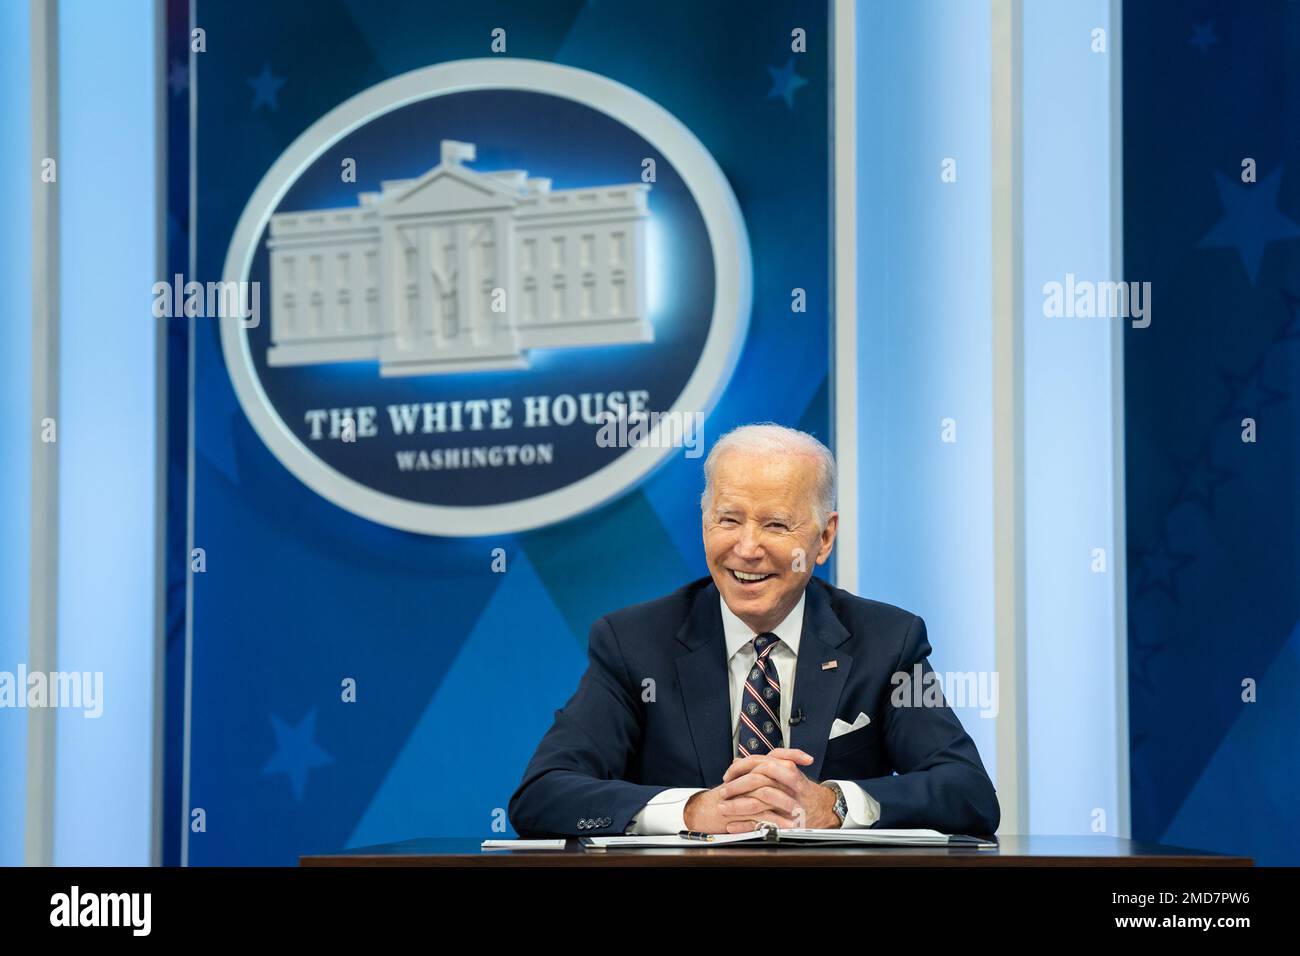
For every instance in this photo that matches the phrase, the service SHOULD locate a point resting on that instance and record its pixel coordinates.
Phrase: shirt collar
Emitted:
(738, 633)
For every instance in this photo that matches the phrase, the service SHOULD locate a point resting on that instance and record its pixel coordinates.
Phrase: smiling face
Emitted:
(761, 535)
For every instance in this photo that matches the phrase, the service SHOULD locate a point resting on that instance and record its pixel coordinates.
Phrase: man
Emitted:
(761, 695)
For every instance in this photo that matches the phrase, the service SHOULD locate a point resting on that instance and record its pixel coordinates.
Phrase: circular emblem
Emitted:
(492, 294)
(752, 708)
(752, 743)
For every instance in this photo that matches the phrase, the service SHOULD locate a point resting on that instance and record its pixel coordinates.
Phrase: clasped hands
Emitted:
(768, 789)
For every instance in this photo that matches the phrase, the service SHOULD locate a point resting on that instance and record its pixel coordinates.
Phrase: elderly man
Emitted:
(759, 694)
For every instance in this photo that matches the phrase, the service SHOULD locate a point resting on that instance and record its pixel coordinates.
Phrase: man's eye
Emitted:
(776, 524)
(726, 521)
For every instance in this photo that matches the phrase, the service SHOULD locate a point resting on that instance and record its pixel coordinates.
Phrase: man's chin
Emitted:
(752, 602)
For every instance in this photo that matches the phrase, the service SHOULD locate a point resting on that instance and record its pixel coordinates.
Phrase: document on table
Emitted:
(795, 837)
(523, 844)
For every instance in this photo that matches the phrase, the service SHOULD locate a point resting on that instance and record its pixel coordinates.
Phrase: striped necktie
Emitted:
(760, 703)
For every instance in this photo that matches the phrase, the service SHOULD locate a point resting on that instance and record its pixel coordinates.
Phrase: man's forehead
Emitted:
(743, 467)
(774, 499)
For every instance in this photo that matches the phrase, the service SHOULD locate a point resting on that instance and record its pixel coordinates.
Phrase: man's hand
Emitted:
(703, 814)
(711, 811)
(773, 789)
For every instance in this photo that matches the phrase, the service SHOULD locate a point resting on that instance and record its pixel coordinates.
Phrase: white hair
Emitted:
(773, 439)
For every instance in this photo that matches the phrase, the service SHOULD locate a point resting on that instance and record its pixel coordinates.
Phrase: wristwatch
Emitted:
(841, 805)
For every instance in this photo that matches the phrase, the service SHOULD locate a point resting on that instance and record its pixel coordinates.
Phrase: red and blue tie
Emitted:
(760, 703)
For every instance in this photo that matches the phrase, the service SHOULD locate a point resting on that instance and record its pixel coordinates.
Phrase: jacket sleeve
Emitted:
(939, 782)
(575, 784)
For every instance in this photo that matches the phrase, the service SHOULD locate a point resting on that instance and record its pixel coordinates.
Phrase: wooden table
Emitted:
(1013, 851)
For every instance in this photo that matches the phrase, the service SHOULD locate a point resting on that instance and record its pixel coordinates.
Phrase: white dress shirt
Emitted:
(664, 814)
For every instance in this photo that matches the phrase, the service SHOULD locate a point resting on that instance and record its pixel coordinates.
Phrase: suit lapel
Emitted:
(706, 686)
(817, 691)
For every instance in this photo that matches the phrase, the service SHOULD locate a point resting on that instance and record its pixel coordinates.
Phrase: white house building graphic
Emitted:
(459, 270)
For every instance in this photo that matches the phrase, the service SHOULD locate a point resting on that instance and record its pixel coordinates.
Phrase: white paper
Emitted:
(790, 837)
(523, 844)
(719, 839)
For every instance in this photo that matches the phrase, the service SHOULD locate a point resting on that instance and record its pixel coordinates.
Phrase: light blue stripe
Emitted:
(16, 181)
(1069, 444)
(106, 434)
(924, 273)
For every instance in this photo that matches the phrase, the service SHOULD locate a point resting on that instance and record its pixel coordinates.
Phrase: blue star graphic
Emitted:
(296, 752)
(1203, 36)
(785, 82)
(178, 77)
(1140, 669)
(266, 87)
(1158, 567)
(1291, 330)
(1140, 655)
(1199, 479)
(1251, 219)
(1248, 394)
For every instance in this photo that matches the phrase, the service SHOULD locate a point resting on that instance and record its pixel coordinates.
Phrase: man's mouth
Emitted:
(744, 577)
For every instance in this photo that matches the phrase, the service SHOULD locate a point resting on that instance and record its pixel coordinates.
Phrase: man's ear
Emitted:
(827, 541)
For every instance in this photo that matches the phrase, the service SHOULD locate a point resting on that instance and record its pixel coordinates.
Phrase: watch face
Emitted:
(841, 804)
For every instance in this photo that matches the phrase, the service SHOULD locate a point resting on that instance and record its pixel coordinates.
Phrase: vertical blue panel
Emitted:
(106, 436)
(925, 327)
(1073, 731)
(1214, 520)
(306, 593)
(16, 183)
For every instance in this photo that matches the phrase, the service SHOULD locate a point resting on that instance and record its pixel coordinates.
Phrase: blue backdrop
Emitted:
(458, 669)
(1214, 522)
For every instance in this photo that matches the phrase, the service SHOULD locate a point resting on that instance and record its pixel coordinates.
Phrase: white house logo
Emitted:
(424, 269)
(526, 251)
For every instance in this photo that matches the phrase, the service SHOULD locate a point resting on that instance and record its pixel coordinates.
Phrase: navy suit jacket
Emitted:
(620, 740)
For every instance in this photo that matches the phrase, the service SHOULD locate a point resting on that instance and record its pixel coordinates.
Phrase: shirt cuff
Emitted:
(864, 811)
(664, 815)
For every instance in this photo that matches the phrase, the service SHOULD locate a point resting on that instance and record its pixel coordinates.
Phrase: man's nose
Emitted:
(748, 545)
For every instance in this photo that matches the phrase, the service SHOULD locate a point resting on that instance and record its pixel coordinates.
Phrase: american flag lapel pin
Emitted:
(830, 665)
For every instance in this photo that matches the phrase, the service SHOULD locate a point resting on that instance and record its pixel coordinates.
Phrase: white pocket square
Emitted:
(842, 727)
